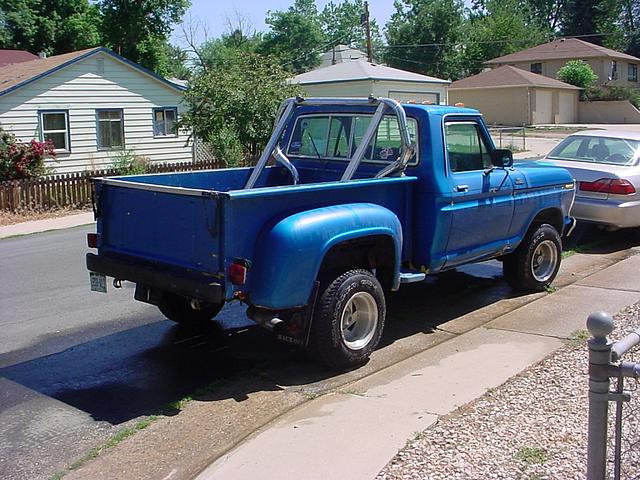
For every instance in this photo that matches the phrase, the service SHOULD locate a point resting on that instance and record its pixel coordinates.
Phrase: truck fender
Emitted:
(289, 253)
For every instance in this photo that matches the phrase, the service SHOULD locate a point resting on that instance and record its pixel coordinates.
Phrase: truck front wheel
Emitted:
(535, 263)
(181, 310)
(348, 320)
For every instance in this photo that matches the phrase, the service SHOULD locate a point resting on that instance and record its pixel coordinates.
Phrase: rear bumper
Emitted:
(156, 276)
(607, 212)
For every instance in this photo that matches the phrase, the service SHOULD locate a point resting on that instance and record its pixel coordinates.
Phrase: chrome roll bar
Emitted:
(383, 106)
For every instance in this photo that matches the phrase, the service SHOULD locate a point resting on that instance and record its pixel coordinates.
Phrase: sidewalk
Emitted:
(37, 226)
(355, 431)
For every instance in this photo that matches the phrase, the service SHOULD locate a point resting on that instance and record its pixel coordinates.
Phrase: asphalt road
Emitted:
(77, 366)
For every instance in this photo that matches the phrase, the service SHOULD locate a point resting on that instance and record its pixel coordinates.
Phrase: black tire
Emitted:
(179, 309)
(337, 338)
(536, 261)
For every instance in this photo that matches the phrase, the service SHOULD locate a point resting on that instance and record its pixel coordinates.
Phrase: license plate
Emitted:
(98, 282)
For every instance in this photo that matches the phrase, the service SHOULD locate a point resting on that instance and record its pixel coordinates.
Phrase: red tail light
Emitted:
(616, 186)
(237, 273)
(92, 240)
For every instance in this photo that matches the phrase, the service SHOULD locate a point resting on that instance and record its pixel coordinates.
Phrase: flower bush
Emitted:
(22, 160)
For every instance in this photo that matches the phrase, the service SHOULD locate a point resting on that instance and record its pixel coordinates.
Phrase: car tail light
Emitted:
(615, 186)
(92, 240)
(237, 271)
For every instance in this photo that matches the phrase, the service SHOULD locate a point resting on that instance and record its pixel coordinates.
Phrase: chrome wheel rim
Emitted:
(544, 260)
(359, 320)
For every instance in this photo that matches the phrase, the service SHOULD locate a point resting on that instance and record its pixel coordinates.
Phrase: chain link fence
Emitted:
(511, 138)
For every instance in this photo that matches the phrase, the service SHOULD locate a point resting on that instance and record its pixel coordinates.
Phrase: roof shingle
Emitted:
(564, 48)
(508, 76)
(8, 57)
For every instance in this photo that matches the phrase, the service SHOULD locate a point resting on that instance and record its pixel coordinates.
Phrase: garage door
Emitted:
(566, 111)
(402, 96)
(544, 107)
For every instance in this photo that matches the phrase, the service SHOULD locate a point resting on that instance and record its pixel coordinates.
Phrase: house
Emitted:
(15, 56)
(612, 68)
(93, 104)
(359, 78)
(511, 96)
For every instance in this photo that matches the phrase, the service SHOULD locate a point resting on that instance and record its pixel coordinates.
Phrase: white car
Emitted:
(606, 167)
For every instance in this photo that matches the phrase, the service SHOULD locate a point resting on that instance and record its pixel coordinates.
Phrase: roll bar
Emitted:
(384, 105)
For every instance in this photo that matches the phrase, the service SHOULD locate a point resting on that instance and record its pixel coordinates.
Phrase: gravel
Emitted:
(532, 427)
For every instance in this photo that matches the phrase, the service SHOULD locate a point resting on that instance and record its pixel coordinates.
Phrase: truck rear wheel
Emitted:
(535, 263)
(180, 310)
(348, 320)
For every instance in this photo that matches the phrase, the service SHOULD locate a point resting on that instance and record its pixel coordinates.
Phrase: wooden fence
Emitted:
(71, 189)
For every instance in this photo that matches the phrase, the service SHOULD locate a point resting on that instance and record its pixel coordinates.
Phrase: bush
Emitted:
(578, 73)
(23, 160)
(614, 93)
(226, 147)
(127, 162)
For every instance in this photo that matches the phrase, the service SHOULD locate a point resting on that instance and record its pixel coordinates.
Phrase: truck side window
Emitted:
(466, 148)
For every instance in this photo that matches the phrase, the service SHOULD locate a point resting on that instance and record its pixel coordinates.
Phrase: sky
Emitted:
(214, 14)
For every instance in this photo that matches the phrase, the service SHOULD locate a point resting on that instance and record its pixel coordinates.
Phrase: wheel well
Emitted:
(373, 252)
(552, 216)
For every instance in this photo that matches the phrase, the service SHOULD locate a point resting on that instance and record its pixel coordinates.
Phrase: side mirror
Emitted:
(501, 157)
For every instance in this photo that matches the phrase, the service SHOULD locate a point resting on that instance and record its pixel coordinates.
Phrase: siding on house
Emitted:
(99, 81)
(401, 91)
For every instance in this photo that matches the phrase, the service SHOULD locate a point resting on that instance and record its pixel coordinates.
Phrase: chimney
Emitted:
(42, 54)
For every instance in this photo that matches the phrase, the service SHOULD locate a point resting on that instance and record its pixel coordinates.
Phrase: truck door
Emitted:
(481, 198)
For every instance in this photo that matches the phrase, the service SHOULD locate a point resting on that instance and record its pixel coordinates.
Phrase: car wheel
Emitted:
(535, 263)
(348, 320)
(180, 310)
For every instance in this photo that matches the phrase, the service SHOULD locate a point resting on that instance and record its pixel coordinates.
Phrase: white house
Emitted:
(359, 78)
(92, 104)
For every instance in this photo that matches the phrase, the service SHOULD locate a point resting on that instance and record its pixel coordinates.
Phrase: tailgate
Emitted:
(168, 225)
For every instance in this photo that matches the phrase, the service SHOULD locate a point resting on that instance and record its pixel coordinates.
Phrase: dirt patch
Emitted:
(10, 218)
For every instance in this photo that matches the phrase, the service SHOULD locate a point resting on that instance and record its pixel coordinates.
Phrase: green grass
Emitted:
(532, 455)
(579, 337)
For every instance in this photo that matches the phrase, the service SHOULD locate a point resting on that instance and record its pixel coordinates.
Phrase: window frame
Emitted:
(531, 68)
(101, 147)
(67, 131)
(482, 139)
(635, 71)
(329, 116)
(614, 70)
(153, 121)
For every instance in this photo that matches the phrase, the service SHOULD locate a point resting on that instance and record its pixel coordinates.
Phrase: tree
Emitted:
(500, 28)
(50, 26)
(341, 24)
(139, 29)
(232, 107)
(590, 17)
(295, 36)
(178, 60)
(423, 36)
(630, 22)
(578, 73)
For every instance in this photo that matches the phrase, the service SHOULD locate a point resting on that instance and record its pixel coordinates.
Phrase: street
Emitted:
(78, 366)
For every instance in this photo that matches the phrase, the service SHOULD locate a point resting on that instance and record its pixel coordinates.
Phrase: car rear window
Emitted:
(613, 151)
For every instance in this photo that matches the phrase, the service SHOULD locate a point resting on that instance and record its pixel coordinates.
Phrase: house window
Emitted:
(54, 127)
(633, 72)
(536, 68)
(614, 70)
(110, 129)
(164, 122)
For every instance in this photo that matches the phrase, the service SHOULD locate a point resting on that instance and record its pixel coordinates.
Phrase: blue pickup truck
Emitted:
(350, 199)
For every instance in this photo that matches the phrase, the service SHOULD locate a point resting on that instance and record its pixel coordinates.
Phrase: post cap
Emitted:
(600, 324)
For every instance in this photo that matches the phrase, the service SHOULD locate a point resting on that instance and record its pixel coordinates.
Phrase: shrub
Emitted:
(614, 93)
(23, 160)
(127, 162)
(225, 146)
(578, 73)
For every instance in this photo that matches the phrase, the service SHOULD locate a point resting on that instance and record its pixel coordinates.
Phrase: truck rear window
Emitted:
(336, 137)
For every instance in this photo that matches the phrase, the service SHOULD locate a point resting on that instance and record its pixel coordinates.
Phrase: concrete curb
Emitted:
(38, 226)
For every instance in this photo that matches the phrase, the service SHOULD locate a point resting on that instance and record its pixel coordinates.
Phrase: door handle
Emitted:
(462, 188)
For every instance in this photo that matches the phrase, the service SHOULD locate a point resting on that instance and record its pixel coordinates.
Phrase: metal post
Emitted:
(599, 324)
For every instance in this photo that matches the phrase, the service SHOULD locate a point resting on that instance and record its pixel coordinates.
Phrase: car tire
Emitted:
(536, 261)
(179, 310)
(348, 320)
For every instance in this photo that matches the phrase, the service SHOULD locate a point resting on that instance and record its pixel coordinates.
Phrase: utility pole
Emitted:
(367, 28)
